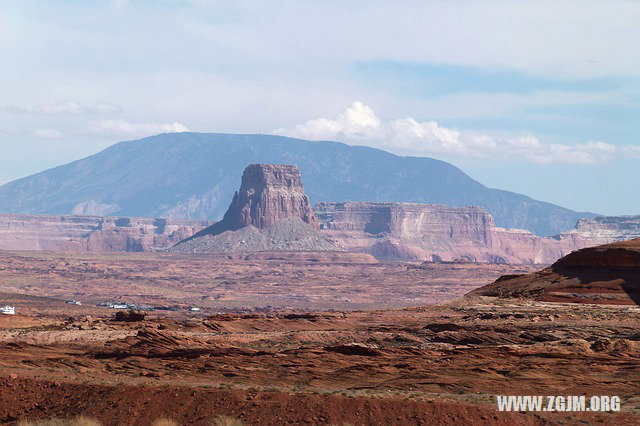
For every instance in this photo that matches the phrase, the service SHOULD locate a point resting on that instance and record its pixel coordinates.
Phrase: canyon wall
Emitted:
(92, 233)
(425, 232)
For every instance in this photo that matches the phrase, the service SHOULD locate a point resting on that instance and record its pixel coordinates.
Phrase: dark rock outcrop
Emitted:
(607, 274)
(133, 315)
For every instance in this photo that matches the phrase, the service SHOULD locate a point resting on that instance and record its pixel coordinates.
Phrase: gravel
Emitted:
(291, 234)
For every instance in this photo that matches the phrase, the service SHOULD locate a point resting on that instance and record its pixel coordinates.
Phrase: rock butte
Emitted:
(426, 232)
(270, 212)
(268, 194)
(606, 274)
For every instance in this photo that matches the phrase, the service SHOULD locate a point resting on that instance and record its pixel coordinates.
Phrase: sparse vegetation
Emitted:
(223, 420)
(77, 421)
(164, 421)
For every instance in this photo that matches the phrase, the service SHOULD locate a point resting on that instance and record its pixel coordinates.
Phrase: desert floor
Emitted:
(306, 342)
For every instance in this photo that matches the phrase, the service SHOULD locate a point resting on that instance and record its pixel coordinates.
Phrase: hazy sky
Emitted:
(538, 97)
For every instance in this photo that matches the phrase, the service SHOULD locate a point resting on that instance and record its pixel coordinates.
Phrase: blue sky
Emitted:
(541, 98)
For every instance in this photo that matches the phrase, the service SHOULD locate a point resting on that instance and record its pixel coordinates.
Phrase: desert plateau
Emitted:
(363, 213)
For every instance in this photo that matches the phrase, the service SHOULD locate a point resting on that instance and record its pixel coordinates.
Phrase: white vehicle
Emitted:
(118, 306)
(8, 310)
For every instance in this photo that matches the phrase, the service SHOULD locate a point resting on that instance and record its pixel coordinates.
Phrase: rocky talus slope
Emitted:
(427, 232)
(607, 274)
(270, 212)
(93, 233)
(291, 234)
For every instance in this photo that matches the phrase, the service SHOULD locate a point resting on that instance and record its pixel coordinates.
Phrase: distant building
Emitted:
(194, 309)
(74, 302)
(8, 310)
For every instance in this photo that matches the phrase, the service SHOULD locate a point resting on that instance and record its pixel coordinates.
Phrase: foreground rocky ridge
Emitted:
(607, 274)
(93, 233)
(426, 232)
(432, 365)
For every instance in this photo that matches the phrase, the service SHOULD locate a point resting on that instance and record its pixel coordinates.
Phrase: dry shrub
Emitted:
(77, 421)
(163, 421)
(223, 420)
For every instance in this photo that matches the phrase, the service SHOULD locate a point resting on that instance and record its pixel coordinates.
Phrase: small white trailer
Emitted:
(7, 310)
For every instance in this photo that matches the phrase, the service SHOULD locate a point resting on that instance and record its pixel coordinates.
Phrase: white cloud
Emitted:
(123, 127)
(359, 125)
(66, 108)
(632, 151)
(48, 134)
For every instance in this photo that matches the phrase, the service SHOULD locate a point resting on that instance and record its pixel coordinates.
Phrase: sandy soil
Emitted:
(408, 366)
(215, 282)
(305, 364)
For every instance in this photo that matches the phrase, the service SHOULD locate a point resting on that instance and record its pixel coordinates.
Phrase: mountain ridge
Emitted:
(193, 176)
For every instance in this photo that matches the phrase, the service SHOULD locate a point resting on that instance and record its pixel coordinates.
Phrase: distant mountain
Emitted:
(194, 175)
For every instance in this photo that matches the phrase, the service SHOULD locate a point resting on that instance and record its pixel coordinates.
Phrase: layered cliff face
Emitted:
(92, 233)
(407, 231)
(607, 274)
(269, 212)
(404, 231)
(607, 229)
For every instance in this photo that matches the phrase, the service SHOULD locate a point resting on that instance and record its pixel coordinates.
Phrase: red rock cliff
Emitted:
(92, 233)
(406, 231)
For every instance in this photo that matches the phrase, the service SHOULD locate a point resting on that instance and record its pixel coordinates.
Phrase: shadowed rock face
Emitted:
(607, 274)
(268, 194)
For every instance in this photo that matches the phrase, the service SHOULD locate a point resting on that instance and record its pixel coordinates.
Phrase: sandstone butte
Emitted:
(606, 274)
(268, 194)
(426, 232)
(270, 212)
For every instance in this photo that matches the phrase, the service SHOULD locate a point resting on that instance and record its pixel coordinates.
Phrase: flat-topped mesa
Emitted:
(410, 220)
(92, 233)
(409, 231)
(608, 228)
(268, 194)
